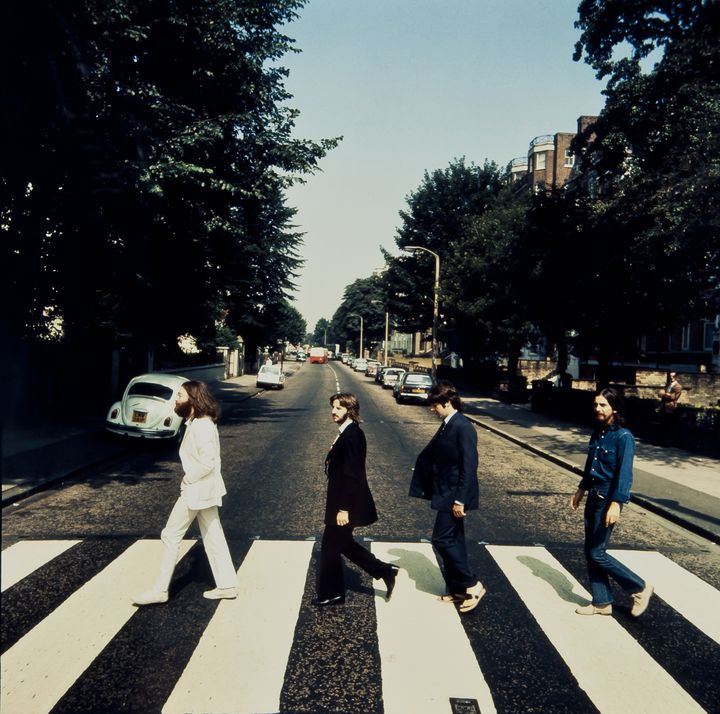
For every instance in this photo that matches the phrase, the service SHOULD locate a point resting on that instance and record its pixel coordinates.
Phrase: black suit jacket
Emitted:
(348, 488)
(446, 469)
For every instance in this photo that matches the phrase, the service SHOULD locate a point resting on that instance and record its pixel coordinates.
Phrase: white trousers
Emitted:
(216, 547)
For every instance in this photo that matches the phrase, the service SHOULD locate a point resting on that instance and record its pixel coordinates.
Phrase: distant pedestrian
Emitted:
(349, 505)
(607, 480)
(446, 474)
(201, 493)
(667, 408)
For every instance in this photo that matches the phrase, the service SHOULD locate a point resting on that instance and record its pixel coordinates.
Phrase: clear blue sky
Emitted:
(412, 85)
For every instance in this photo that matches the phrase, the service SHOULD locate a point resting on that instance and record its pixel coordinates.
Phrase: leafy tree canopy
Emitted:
(437, 217)
(143, 181)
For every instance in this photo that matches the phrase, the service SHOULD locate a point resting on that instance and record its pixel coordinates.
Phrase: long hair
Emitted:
(202, 402)
(350, 402)
(616, 400)
(444, 392)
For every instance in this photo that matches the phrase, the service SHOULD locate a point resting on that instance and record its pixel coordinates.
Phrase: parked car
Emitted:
(390, 375)
(412, 386)
(301, 357)
(372, 367)
(147, 408)
(270, 375)
(360, 365)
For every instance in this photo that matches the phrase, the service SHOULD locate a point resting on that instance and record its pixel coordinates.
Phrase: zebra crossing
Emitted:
(523, 649)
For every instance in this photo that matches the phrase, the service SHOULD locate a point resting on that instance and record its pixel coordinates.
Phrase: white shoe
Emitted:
(150, 597)
(220, 594)
(641, 600)
(592, 610)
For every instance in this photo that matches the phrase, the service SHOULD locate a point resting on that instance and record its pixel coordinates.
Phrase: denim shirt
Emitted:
(609, 463)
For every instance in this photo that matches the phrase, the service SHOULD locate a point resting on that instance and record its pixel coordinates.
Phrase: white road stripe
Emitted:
(25, 557)
(615, 671)
(239, 664)
(43, 665)
(697, 601)
(425, 654)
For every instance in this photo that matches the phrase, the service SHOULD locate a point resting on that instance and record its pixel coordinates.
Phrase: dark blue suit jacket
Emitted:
(348, 488)
(446, 469)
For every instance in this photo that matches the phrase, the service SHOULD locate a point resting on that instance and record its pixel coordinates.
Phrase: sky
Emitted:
(411, 85)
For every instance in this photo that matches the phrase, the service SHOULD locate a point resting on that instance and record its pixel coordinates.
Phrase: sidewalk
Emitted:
(34, 458)
(683, 487)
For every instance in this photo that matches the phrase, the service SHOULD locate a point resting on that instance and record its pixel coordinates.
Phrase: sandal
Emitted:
(472, 598)
(451, 597)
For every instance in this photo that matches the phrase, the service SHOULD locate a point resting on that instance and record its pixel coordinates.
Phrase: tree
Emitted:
(651, 168)
(320, 332)
(365, 298)
(437, 217)
(154, 148)
(487, 291)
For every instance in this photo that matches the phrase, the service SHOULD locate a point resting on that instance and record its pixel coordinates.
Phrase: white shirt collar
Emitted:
(345, 425)
(450, 416)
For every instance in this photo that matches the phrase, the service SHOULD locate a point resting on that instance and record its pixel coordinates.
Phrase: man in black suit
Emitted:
(446, 474)
(349, 505)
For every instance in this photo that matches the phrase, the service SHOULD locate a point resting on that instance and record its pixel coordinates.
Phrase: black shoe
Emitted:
(389, 580)
(324, 602)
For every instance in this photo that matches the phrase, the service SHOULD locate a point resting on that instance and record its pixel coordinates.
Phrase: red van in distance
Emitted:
(318, 355)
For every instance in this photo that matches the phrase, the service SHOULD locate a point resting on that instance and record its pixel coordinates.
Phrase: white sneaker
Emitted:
(220, 594)
(641, 600)
(592, 610)
(150, 597)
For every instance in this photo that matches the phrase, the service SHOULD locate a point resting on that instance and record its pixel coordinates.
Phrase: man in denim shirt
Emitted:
(607, 480)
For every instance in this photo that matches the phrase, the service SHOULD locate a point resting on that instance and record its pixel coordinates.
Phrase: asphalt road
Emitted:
(339, 661)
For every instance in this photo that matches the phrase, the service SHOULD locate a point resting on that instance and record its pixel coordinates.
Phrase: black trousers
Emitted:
(336, 542)
(448, 538)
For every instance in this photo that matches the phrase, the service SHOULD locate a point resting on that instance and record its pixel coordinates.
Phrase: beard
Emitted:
(183, 410)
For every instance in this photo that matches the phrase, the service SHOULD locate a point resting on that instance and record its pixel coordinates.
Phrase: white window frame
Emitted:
(685, 338)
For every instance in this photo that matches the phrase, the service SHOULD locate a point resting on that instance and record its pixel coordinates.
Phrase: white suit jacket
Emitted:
(200, 457)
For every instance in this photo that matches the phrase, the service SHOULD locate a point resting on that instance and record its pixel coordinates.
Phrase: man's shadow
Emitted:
(557, 580)
(421, 570)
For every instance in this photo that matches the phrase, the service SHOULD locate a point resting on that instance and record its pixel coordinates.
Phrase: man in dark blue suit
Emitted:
(446, 474)
(349, 505)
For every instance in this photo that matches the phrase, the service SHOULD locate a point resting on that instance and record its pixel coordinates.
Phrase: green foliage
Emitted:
(143, 185)
(363, 298)
(651, 171)
(438, 215)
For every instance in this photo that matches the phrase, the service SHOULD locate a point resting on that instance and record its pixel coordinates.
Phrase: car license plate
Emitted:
(139, 417)
(417, 390)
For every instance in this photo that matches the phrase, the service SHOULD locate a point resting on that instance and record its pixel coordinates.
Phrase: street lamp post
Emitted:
(354, 314)
(387, 324)
(436, 291)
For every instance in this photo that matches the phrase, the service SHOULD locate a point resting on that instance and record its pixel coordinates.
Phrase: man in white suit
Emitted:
(201, 493)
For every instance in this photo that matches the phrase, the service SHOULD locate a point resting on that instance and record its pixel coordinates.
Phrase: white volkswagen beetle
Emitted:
(147, 408)
(270, 375)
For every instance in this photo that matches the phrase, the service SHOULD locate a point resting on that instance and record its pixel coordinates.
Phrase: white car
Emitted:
(270, 375)
(390, 376)
(360, 365)
(147, 408)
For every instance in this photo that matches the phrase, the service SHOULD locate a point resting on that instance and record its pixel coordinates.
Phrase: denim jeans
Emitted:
(600, 564)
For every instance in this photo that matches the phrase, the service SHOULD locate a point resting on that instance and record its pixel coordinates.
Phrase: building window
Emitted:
(569, 158)
(685, 343)
(540, 161)
(708, 334)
